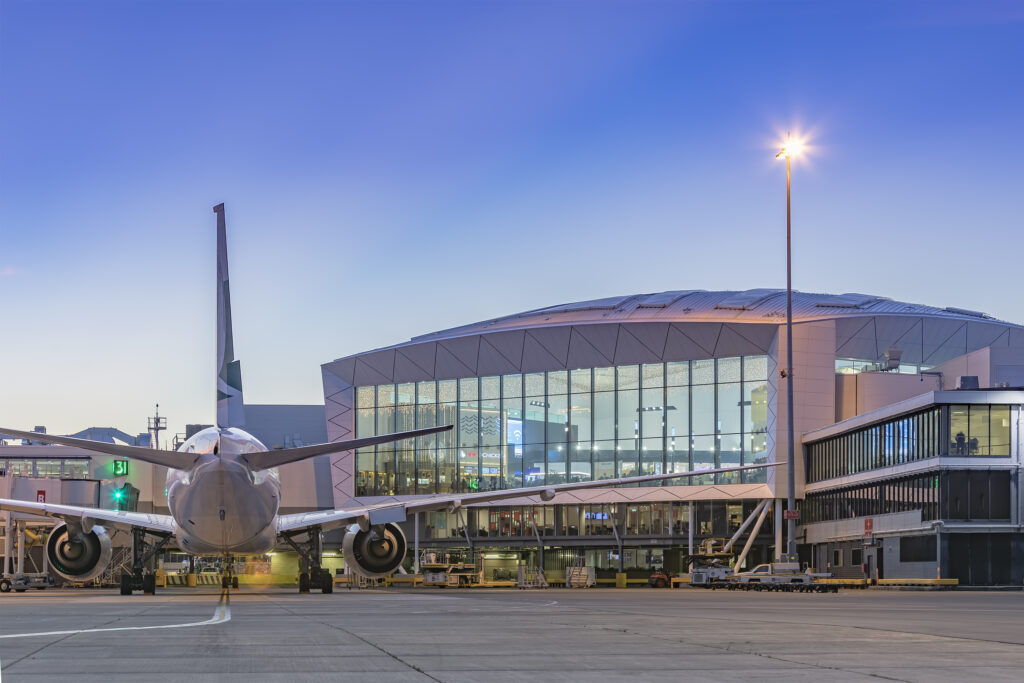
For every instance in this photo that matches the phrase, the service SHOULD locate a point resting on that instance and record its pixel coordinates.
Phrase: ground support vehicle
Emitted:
(20, 583)
(707, 577)
(779, 576)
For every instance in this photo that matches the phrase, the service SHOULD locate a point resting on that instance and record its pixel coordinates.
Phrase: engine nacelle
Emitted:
(78, 557)
(372, 554)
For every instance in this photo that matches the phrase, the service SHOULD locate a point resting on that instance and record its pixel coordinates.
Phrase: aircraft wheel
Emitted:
(303, 583)
(326, 581)
(224, 583)
(5, 585)
(126, 584)
(234, 582)
(149, 584)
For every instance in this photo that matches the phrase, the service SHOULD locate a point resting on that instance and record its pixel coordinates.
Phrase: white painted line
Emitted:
(220, 615)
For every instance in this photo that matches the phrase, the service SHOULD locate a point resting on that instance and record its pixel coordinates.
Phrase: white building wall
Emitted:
(814, 394)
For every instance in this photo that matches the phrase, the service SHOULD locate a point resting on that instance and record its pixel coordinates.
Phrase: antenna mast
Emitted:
(157, 424)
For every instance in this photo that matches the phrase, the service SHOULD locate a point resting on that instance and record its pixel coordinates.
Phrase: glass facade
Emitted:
(46, 468)
(566, 426)
(894, 442)
(953, 430)
(946, 494)
(903, 494)
(711, 518)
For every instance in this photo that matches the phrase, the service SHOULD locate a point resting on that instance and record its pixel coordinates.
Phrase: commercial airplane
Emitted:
(224, 494)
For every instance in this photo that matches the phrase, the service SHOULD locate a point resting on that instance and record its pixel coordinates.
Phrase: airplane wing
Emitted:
(398, 511)
(267, 459)
(160, 523)
(173, 459)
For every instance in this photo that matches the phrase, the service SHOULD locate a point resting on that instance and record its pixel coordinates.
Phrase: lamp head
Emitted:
(792, 148)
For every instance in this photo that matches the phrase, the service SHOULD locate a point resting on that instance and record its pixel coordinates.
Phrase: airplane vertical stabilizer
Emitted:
(230, 408)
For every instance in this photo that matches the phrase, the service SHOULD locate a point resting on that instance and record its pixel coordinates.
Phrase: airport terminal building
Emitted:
(907, 418)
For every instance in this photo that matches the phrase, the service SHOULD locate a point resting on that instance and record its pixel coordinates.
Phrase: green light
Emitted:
(117, 494)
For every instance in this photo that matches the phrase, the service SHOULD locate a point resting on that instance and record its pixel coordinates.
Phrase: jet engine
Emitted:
(376, 552)
(78, 556)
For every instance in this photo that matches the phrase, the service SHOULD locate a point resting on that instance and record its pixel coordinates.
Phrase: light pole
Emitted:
(787, 152)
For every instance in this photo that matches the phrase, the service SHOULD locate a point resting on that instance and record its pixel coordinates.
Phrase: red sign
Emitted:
(40, 496)
(869, 524)
(791, 514)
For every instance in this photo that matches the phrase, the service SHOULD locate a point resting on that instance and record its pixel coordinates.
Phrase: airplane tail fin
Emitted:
(230, 407)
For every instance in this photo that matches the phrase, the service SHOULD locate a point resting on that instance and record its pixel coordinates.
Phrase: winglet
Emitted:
(230, 406)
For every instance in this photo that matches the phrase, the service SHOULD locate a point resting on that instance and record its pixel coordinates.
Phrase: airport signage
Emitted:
(40, 496)
(120, 468)
(791, 514)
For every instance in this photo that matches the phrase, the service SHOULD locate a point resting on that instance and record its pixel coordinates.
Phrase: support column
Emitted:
(8, 543)
(20, 567)
(416, 544)
(690, 533)
(778, 530)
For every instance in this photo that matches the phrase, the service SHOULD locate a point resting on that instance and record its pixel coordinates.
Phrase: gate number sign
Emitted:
(120, 468)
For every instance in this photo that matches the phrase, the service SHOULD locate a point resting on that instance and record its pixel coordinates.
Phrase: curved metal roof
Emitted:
(698, 305)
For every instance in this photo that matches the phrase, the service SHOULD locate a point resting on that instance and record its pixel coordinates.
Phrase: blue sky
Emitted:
(391, 169)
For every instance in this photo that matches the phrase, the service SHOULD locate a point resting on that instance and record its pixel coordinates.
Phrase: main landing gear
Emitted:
(142, 552)
(311, 551)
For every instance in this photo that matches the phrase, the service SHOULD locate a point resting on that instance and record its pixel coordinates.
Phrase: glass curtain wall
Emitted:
(566, 426)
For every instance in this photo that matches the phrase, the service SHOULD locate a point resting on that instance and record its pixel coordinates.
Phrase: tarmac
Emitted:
(476, 635)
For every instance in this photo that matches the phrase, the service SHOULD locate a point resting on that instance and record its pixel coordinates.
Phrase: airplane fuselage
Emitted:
(221, 505)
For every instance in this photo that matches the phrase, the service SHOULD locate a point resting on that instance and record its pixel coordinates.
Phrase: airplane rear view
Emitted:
(224, 495)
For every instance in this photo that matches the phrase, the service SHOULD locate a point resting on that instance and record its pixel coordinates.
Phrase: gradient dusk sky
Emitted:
(391, 169)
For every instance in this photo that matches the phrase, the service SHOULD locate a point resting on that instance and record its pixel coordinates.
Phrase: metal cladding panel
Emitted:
(343, 369)
(448, 366)
(748, 300)
(465, 349)
(944, 339)
(383, 362)
(555, 341)
(491, 361)
(410, 371)
(509, 345)
(893, 331)
(583, 354)
(755, 305)
(631, 351)
(730, 343)
(422, 356)
(679, 346)
(980, 335)
(602, 337)
(1016, 338)
(365, 373)
(705, 335)
(855, 338)
(760, 336)
(663, 299)
(537, 357)
(651, 335)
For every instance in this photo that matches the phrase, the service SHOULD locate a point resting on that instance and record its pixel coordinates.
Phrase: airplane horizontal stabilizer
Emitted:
(264, 460)
(172, 459)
